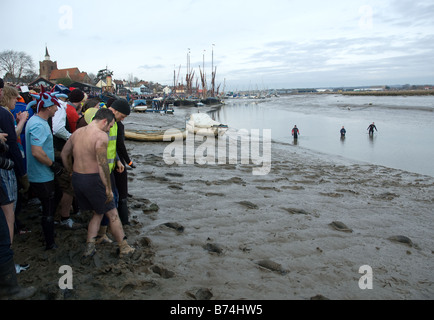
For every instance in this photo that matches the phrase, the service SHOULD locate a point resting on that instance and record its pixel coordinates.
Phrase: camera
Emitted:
(5, 163)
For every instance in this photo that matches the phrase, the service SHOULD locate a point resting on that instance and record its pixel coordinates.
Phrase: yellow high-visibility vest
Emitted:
(111, 148)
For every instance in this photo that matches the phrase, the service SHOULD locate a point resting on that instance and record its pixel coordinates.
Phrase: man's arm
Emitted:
(59, 122)
(66, 155)
(41, 156)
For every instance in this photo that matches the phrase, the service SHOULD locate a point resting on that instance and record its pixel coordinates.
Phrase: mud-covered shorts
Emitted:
(64, 183)
(90, 193)
(64, 180)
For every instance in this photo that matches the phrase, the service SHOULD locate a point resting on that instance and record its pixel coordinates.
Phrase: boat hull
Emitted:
(215, 130)
(155, 135)
(140, 109)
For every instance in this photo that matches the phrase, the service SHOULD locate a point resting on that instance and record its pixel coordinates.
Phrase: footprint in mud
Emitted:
(248, 204)
(272, 266)
(402, 239)
(145, 242)
(159, 179)
(268, 188)
(235, 180)
(174, 174)
(132, 285)
(347, 190)
(153, 207)
(217, 194)
(213, 248)
(340, 226)
(152, 159)
(138, 203)
(174, 225)
(295, 211)
(200, 294)
(175, 187)
(293, 187)
(163, 272)
(332, 194)
(386, 196)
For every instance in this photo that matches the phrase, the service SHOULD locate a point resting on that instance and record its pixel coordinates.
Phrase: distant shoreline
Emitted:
(373, 93)
(390, 93)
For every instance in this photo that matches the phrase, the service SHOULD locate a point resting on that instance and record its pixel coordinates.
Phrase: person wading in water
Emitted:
(371, 129)
(295, 132)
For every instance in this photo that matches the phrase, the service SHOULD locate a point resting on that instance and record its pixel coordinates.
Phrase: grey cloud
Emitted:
(407, 13)
(148, 67)
(383, 60)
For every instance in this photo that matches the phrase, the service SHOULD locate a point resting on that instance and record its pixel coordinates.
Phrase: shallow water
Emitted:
(405, 137)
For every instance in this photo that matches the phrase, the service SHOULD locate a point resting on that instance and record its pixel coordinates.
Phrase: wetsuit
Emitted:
(371, 128)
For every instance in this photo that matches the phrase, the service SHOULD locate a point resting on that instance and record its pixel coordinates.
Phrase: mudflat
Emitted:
(312, 227)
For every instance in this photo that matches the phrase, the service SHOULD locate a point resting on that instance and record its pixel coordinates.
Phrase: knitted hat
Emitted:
(110, 101)
(122, 106)
(76, 95)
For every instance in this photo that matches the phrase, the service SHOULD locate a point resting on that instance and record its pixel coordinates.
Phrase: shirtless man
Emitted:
(87, 146)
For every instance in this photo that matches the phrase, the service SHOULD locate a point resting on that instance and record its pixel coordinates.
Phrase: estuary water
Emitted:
(404, 140)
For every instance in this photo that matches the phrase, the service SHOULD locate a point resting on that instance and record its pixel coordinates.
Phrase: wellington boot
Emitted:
(125, 249)
(123, 212)
(9, 288)
(90, 249)
(102, 237)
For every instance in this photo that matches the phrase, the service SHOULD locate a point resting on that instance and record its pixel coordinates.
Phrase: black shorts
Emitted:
(90, 193)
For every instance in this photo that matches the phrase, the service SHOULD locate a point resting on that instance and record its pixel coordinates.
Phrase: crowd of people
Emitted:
(67, 151)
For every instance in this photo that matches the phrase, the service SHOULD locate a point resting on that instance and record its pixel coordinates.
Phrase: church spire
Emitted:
(47, 56)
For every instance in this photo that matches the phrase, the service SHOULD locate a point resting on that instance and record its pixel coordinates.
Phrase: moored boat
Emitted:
(140, 108)
(139, 105)
(202, 124)
(155, 135)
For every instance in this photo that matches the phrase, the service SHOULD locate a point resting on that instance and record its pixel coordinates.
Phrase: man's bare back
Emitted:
(87, 143)
(85, 152)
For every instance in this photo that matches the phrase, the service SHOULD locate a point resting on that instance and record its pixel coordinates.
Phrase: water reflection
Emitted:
(371, 139)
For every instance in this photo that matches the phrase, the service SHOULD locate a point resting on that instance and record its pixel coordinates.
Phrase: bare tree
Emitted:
(29, 76)
(16, 64)
(130, 79)
(93, 79)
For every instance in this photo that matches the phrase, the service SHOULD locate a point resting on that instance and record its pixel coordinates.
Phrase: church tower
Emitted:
(46, 66)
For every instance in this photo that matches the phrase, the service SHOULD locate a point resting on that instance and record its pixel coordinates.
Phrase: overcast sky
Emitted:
(255, 44)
